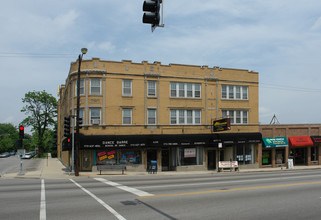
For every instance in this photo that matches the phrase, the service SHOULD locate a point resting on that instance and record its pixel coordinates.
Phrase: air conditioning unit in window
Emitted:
(95, 121)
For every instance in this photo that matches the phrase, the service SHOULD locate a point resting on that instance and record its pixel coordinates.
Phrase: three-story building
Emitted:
(137, 112)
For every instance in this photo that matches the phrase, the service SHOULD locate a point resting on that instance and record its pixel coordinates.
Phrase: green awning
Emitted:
(275, 142)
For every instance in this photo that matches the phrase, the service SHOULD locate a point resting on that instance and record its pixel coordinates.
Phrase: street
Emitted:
(257, 195)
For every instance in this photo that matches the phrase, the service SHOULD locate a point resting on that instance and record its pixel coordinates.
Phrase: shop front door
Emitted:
(165, 160)
(211, 159)
(300, 156)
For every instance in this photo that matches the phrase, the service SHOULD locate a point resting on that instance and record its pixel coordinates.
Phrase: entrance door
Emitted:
(165, 160)
(211, 159)
(300, 155)
(151, 155)
(85, 161)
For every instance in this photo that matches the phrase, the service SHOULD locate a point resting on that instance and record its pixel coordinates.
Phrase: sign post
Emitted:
(20, 153)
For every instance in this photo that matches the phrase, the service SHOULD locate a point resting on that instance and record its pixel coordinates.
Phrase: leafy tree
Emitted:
(42, 110)
(8, 137)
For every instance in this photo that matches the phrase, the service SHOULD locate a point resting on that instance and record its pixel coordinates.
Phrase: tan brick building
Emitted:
(137, 112)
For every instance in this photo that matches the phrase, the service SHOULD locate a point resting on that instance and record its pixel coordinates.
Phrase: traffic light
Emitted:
(67, 127)
(68, 142)
(21, 132)
(80, 122)
(151, 15)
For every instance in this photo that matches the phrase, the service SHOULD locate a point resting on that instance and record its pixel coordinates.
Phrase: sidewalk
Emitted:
(52, 168)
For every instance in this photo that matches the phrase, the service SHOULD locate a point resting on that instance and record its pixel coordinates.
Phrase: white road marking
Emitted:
(42, 215)
(134, 191)
(116, 214)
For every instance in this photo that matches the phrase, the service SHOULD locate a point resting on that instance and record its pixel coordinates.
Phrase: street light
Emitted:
(83, 51)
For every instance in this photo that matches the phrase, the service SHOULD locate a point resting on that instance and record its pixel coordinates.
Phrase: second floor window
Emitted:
(95, 85)
(185, 117)
(127, 116)
(151, 116)
(94, 116)
(185, 90)
(236, 116)
(127, 87)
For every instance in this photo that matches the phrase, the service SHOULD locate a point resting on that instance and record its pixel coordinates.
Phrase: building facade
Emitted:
(137, 112)
(300, 142)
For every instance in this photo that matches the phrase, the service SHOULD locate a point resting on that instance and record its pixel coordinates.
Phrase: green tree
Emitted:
(42, 110)
(8, 137)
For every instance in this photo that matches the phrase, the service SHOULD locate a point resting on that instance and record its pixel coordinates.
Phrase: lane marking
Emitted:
(230, 190)
(223, 182)
(42, 215)
(132, 190)
(110, 209)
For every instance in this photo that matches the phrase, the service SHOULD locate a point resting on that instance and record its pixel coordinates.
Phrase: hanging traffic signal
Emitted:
(68, 142)
(151, 15)
(67, 127)
(21, 132)
(80, 122)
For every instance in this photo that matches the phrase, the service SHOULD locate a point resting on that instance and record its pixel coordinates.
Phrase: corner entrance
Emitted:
(211, 159)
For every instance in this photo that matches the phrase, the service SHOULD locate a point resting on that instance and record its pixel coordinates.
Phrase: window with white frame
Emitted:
(151, 116)
(95, 116)
(95, 85)
(234, 92)
(151, 88)
(185, 117)
(236, 116)
(185, 90)
(82, 87)
(127, 116)
(127, 87)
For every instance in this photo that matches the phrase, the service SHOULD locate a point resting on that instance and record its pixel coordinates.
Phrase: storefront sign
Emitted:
(275, 142)
(228, 164)
(290, 164)
(300, 141)
(190, 152)
(222, 125)
(316, 139)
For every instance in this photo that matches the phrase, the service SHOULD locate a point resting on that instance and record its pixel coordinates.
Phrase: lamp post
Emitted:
(83, 51)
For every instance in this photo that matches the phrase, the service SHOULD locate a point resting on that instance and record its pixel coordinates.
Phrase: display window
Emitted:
(106, 157)
(111, 157)
(190, 156)
(130, 157)
(266, 157)
(245, 154)
(280, 156)
(314, 153)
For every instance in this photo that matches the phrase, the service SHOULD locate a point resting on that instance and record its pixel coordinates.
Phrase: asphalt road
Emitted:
(294, 194)
(12, 164)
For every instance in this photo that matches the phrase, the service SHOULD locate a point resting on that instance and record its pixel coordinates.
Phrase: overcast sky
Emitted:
(280, 39)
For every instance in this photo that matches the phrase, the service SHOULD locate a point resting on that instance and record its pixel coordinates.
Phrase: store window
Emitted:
(245, 154)
(106, 157)
(130, 157)
(314, 153)
(280, 156)
(190, 156)
(266, 157)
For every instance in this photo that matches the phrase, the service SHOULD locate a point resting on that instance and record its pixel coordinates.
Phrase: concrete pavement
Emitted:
(52, 168)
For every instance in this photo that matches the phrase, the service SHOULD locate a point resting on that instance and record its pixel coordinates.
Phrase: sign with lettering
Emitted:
(222, 125)
(189, 152)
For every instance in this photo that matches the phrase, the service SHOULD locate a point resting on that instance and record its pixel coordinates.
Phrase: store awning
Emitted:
(275, 142)
(300, 141)
(316, 139)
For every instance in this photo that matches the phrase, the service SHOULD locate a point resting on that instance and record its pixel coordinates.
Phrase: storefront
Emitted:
(180, 152)
(274, 152)
(300, 150)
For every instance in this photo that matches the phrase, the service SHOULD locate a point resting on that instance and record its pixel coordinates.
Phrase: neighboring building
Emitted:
(300, 142)
(137, 112)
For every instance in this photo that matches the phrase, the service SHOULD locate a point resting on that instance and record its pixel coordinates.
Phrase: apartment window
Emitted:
(236, 116)
(95, 85)
(82, 87)
(127, 116)
(151, 88)
(182, 116)
(94, 116)
(234, 92)
(185, 90)
(151, 116)
(127, 87)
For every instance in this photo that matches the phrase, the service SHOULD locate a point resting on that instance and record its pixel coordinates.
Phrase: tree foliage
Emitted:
(41, 109)
(8, 137)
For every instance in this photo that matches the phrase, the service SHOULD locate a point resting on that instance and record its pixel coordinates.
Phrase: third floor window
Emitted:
(234, 92)
(127, 87)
